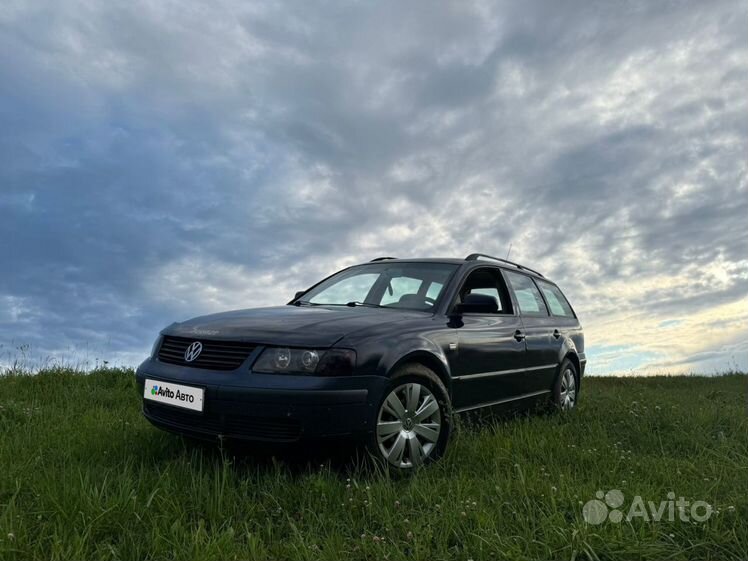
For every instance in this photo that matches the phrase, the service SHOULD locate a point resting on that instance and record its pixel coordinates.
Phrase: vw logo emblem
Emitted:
(193, 351)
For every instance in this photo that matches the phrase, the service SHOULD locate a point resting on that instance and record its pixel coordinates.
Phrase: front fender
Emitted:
(419, 350)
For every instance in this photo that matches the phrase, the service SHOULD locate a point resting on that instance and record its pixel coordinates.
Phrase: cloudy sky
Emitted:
(159, 160)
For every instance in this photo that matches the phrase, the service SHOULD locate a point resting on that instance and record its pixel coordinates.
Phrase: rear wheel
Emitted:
(413, 421)
(566, 388)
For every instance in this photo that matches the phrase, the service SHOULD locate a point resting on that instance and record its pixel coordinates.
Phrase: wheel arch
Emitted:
(428, 359)
(568, 351)
(574, 359)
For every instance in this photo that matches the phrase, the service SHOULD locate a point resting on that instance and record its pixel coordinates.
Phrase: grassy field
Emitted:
(84, 476)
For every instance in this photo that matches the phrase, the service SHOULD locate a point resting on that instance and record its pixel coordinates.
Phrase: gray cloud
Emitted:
(157, 162)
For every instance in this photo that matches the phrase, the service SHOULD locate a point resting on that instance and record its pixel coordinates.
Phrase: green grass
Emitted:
(84, 476)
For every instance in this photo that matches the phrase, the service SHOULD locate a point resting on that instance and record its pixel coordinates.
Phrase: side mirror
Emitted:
(477, 304)
(299, 294)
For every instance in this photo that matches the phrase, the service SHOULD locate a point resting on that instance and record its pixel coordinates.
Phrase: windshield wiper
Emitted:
(353, 304)
(357, 303)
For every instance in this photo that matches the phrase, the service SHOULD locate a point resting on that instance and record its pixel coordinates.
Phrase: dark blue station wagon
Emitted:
(387, 351)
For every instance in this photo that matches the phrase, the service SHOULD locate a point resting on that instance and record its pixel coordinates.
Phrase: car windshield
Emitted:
(414, 286)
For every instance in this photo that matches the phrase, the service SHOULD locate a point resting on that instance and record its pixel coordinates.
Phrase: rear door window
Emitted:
(528, 296)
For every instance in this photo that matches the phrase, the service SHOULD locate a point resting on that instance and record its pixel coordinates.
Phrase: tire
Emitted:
(402, 440)
(565, 395)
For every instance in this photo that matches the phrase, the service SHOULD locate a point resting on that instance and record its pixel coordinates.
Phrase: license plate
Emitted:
(177, 395)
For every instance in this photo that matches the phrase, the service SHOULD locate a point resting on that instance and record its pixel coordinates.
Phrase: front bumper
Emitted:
(270, 407)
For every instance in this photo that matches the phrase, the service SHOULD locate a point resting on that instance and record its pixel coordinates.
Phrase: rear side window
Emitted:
(528, 296)
(558, 304)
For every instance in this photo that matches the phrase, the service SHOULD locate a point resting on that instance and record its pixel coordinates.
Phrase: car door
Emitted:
(565, 323)
(488, 363)
(541, 335)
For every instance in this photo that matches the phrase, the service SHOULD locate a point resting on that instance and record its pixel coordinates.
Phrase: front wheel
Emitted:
(413, 420)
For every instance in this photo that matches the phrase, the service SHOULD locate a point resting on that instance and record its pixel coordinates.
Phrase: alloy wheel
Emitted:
(408, 425)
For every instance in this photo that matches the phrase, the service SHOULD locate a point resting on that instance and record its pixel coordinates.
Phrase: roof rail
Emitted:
(381, 259)
(475, 256)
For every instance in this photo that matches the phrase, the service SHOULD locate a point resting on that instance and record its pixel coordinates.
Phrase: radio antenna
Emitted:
(508, 251)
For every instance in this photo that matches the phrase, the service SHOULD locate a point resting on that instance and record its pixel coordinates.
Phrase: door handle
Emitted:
(556, 333)
(519, 336)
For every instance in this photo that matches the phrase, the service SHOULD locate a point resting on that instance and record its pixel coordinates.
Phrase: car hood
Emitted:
(314, 326)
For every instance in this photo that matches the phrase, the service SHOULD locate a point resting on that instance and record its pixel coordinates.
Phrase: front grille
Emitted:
(216, 355)
(260, 428)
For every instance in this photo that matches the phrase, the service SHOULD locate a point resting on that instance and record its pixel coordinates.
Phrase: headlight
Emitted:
(156, 345)
(280, 360)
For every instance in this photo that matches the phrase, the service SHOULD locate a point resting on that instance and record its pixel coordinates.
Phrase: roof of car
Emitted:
(453, 260)
(482, 257)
